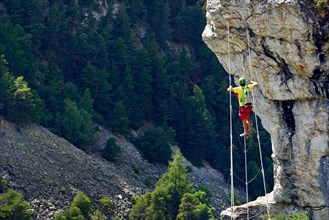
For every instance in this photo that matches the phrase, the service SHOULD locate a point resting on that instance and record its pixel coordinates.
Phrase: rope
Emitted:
(258, 137)
(246, 175)
(231, 135)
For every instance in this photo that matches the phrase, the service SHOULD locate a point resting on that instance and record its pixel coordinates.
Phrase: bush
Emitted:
(74, 213)
(82, 202)
(136, 170)
(155, 144)
(3, 184)
(62, 190)
(133, 199)
(148, 182)
(322, 6)
(60, 216)
(105, 203)
(98, 215)
(12, 206)
(112, 151)
(295, 216)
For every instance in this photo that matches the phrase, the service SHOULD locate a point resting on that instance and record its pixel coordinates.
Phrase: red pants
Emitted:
(244, 112)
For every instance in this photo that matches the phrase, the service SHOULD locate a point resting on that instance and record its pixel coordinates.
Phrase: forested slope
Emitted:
(123, 64)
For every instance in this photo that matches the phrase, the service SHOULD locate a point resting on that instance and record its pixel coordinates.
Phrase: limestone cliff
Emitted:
(289, 52)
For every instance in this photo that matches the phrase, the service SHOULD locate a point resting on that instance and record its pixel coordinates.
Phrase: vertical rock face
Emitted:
(280, 44)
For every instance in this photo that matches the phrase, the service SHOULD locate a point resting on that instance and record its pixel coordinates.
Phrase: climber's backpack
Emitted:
(246, 98)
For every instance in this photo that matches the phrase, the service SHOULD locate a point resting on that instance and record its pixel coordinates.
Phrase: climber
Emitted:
(243, 93)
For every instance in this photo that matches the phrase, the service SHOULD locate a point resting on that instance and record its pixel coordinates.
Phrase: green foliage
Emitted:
(82, 202)
(194, 206)
(295, 216)
(155, 144)
(322, 5)
(105, 203)
(13, 206)
(62, 52)
(148, 182)
(112, 151)
(16, 45)
(116, 218)
(3, 184)
(77, 124)
(60, 216)
(173, 197)
(98, 215)
(86, 102)
(79, 208)
(136, 169)
(17, 101)
(74, 212)
(119, 119)
(133, 200)
(62, 190)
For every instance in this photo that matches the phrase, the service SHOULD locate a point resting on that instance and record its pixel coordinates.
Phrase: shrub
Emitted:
(3, 184)
(82, 202)
(148, 182)
(60, 216)
(295, 216)
(112, 151)
(322, 6)
(136, 170)
(98, 215)
(62, 190)
(105, 203)
(12, 206)
(133, 199)
(155, 144)
(74, 213)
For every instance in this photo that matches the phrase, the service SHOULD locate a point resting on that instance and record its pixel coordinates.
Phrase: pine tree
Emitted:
(77, 124)
(96, 80)
(86, 102)
(13, 206)
(143, 86)
(119, 119)
(16, 45)
(200, 135)
(195, 206)
(158, 19)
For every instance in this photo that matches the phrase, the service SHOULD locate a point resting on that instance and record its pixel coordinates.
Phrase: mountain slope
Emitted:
(39, 164)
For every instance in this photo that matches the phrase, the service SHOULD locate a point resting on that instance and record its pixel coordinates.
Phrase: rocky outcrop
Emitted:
(48, 170)
(281, 44)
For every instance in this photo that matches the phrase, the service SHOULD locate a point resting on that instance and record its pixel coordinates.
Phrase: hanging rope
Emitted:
(246, 175)
(231, 135)
(258, 137)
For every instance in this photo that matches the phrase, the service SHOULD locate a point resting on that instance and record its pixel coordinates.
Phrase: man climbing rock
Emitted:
(243, 93)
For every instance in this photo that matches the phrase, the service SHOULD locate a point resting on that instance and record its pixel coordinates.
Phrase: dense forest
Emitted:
(126, 65)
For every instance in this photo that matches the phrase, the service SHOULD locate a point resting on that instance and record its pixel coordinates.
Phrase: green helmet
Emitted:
(242, 81)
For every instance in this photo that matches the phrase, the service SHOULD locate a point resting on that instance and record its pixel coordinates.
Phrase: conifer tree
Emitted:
(86, 102)
(195, 206)
(96, 80)
(172, 197)
(77, 124)
(143, 86)
(119, 119)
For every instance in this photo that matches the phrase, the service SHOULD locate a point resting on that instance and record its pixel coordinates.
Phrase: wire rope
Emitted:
(257, 129)
(231, 135)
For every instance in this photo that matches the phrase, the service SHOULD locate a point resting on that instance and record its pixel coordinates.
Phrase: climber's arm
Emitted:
(254, 83)
(230, 89)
